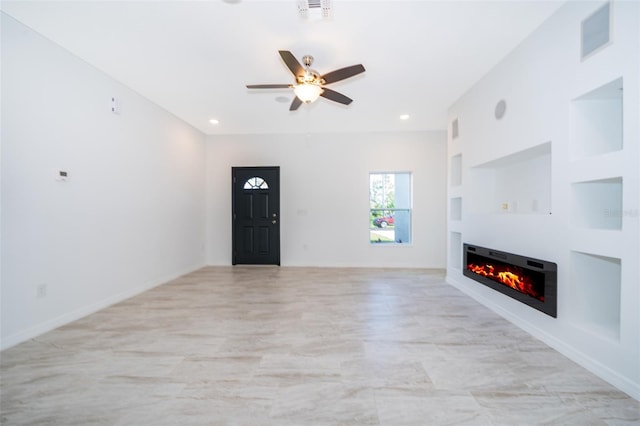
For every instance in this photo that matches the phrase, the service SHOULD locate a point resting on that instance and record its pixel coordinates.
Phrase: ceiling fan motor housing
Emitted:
(310, 77)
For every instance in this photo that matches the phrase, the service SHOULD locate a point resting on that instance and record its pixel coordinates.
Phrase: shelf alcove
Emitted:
(455, 208)
(597, 204)
(455, 250)
(516, 183)
(597, 121)
(595, 295)
(456, 170)
(454, 129)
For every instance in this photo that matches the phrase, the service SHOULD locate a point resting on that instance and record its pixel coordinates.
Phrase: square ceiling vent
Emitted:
(314, 9)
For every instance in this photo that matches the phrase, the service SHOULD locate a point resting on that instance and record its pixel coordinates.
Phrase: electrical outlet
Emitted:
(41, 291)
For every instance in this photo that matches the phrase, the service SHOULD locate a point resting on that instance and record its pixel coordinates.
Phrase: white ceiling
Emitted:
(194, 58)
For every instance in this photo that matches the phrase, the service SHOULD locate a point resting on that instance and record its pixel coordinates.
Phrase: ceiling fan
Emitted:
(309, 83)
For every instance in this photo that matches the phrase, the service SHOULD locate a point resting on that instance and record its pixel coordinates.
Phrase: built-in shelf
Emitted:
(456, 170)
(455, 132)
(595, 293)
(455, 250)
(516, 183)
(597, 121)
(597, 204)
(455, 208)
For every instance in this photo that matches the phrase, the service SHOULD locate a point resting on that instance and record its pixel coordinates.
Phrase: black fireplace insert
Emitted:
(533, 282)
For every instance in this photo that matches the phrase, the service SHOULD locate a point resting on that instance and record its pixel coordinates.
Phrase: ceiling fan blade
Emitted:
(292, 62)
(269, 86)
(335, 96)
(295, 104)
(343, 73)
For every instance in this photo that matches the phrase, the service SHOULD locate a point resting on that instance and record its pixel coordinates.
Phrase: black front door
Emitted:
(256, 215)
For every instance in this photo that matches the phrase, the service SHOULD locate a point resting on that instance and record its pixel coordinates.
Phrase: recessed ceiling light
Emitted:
(214, 121)
(282, 99)
(405, 117)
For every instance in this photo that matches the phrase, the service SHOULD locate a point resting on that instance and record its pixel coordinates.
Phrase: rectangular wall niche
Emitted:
(455, 250)
(517, 183)
(595, 295)
(456, 170)
(455, 208)
(597, 121)
(597, 204)
(454, 129)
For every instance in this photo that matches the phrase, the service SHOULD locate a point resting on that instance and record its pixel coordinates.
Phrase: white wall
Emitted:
(539, 82)
(131, 215)
(325, 195)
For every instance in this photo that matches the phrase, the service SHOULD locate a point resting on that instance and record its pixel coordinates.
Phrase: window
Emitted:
(255, 183)
(390, 208)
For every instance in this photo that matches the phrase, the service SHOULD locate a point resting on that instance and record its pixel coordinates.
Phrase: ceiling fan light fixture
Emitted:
(307, 92)
(309, 84)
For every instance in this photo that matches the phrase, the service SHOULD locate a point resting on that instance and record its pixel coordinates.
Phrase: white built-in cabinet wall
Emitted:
(555, 177)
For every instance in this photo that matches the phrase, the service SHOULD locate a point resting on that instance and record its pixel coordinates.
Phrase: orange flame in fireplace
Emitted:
(510, 276)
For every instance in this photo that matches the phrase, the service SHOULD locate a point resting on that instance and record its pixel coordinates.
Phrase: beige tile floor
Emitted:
(300, 346)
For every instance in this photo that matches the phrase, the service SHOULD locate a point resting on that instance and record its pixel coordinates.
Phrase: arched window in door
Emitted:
(255, 182)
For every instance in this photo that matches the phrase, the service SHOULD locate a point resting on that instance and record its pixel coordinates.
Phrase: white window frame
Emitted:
(405, 228)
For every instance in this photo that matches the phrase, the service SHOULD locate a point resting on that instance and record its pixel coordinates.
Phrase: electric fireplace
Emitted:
(533, 282)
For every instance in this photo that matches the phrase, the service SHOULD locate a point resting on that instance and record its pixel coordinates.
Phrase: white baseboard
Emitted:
(46, 326)
(605, 373)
